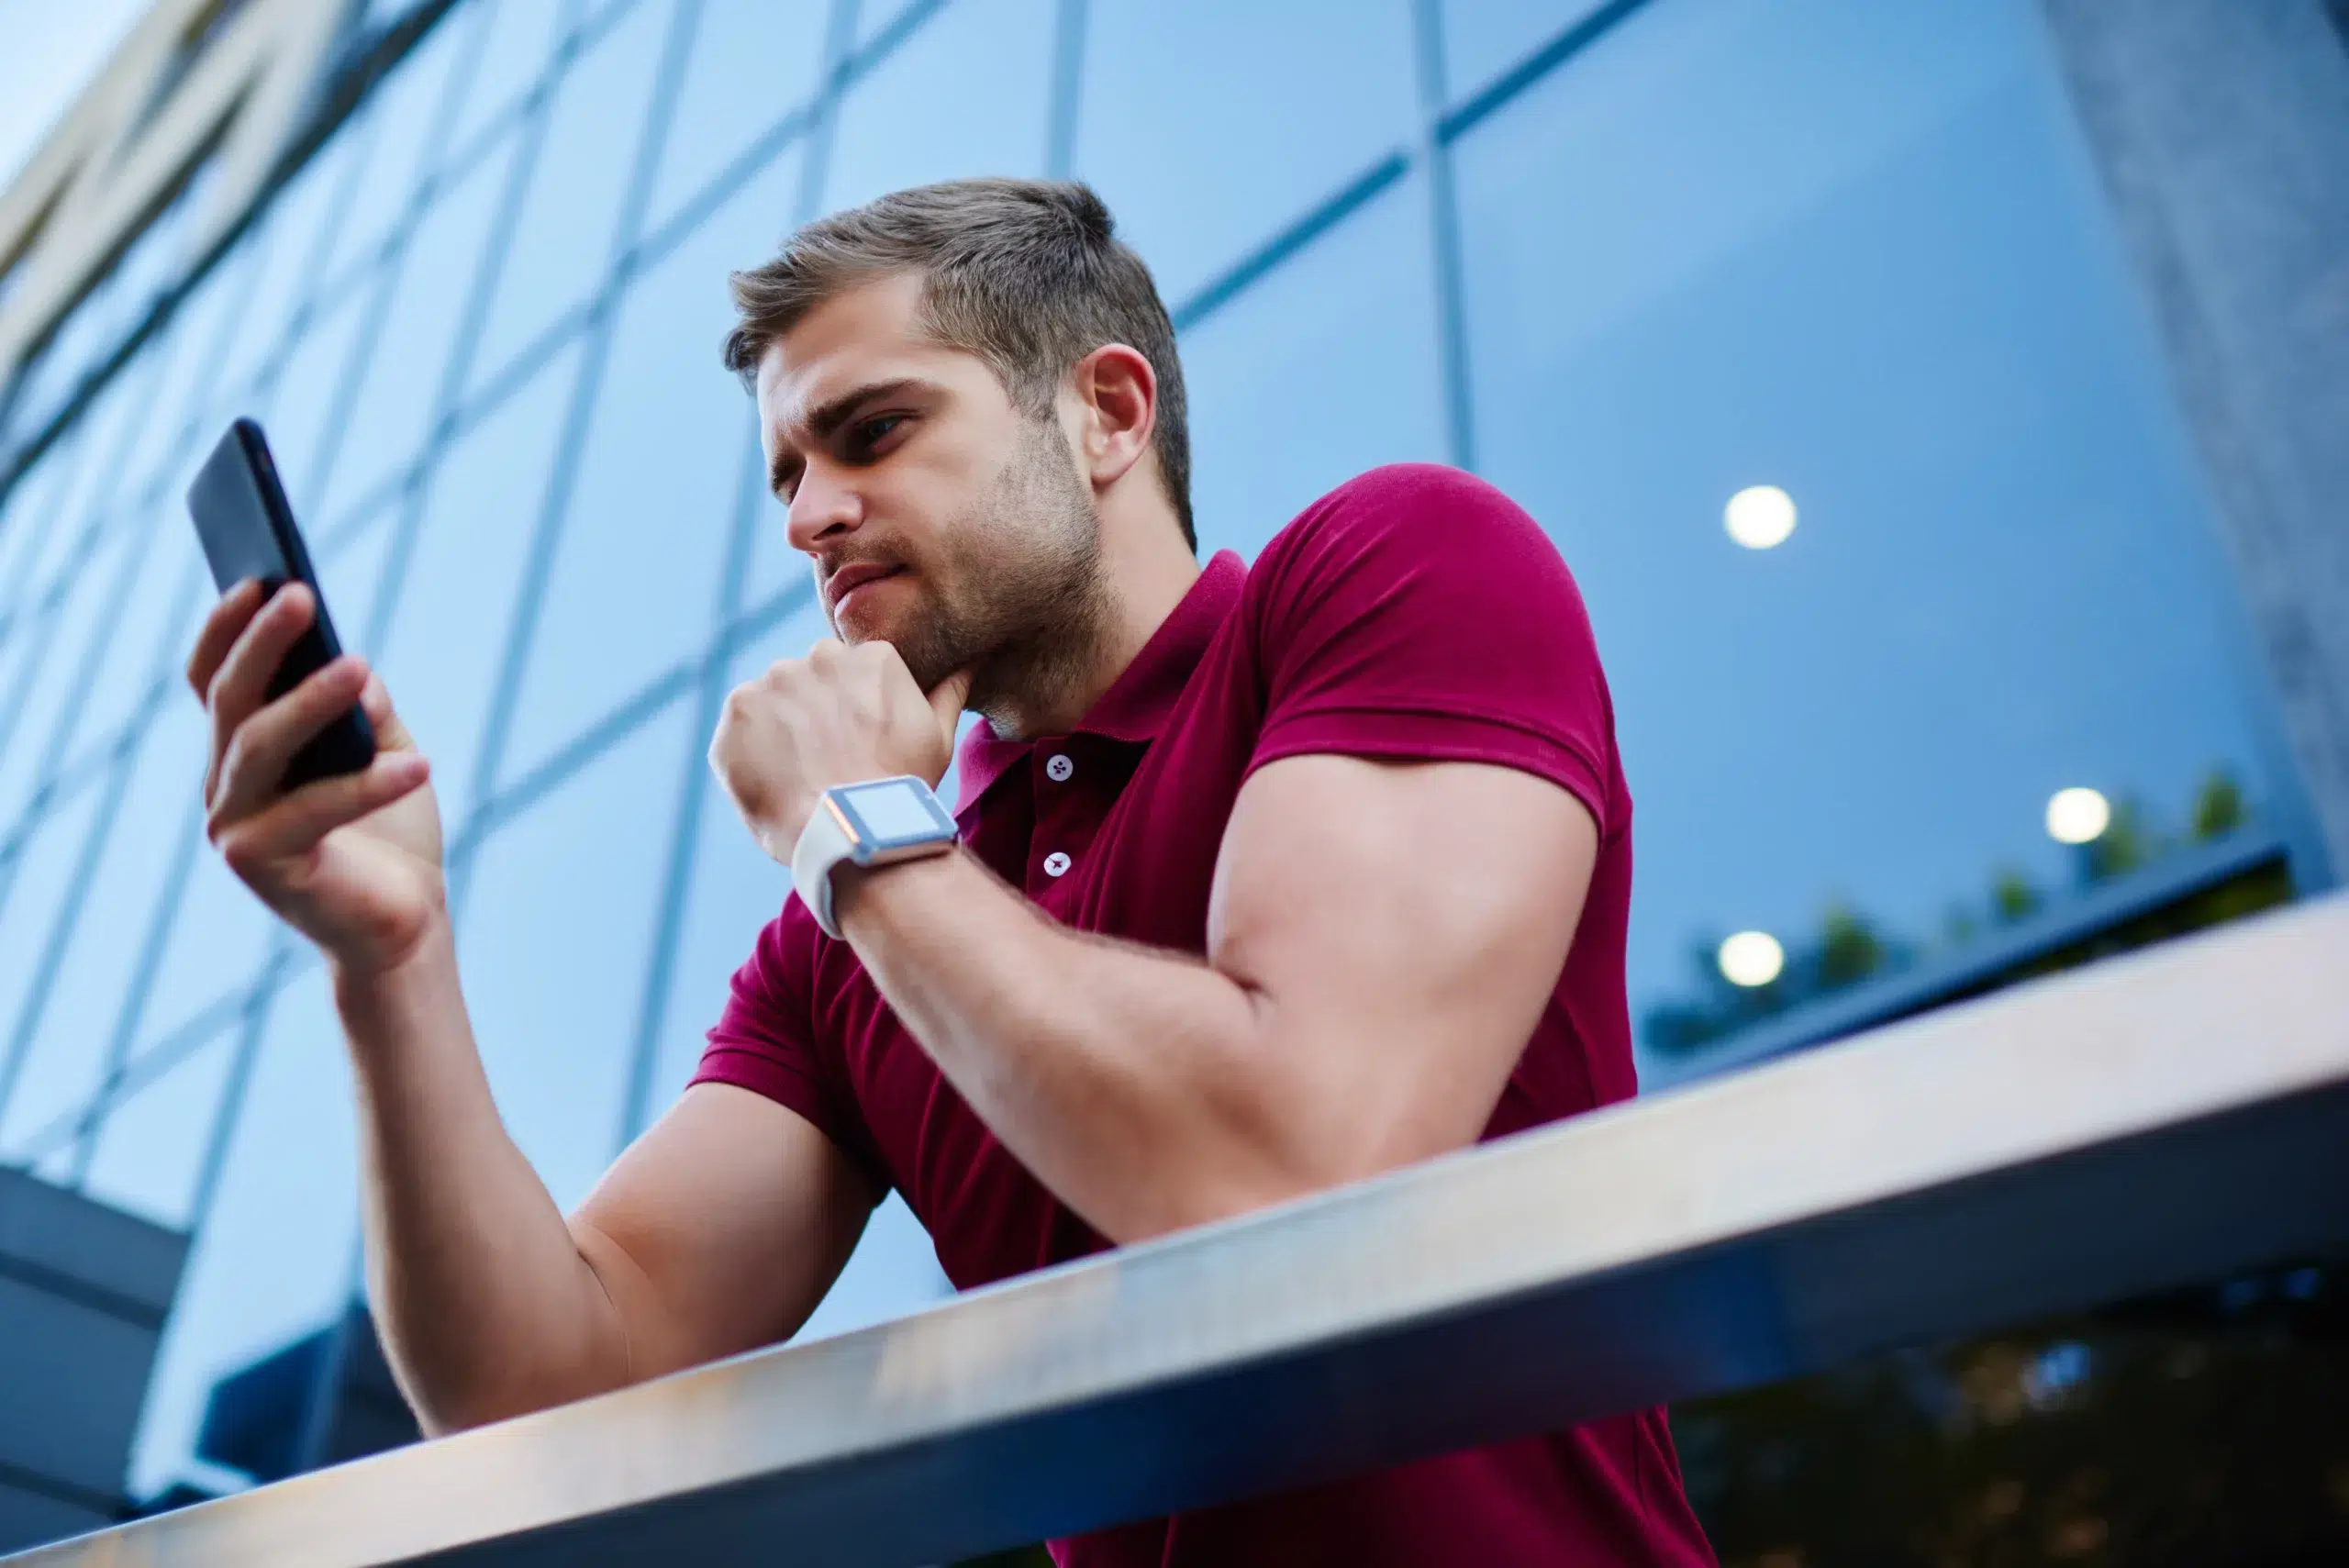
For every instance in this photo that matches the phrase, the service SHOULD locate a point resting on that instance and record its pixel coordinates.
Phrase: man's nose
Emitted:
(820, 508)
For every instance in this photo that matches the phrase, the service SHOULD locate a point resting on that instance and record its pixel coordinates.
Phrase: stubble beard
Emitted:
(1022, 602)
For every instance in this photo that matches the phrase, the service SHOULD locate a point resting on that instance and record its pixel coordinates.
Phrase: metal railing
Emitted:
(2146, 1123)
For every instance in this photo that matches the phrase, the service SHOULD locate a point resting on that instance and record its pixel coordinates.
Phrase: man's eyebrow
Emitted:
(828, 415)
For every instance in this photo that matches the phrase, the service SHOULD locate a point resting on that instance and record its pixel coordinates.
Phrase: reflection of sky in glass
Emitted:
(1852, 250)
(1841, 247)
(1206, 137)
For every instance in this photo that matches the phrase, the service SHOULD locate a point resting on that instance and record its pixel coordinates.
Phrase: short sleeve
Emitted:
(1418, 613)
(765, 1040)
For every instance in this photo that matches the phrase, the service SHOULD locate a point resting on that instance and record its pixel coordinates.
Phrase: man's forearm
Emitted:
(485, 1304)
(1130, 1080)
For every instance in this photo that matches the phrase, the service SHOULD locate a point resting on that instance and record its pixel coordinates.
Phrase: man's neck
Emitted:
(1145, 570)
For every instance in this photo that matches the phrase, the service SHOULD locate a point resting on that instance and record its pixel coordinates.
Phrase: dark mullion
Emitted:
(1068, 88)
(1444, 233)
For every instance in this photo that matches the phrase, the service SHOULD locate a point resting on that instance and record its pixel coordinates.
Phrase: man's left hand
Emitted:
(840, 716)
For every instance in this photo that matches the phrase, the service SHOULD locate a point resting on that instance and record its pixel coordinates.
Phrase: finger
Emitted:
(265, 743)
(946, 700)
(241, 684)
(295, 824)
(220, 629)
(375, 702)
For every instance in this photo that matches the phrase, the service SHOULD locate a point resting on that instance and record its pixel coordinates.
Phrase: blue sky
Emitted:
(56, 46)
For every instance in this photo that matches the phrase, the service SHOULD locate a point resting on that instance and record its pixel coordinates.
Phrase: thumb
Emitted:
(946, 700)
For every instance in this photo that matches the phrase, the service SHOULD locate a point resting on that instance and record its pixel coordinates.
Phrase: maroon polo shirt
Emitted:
(1412, 613)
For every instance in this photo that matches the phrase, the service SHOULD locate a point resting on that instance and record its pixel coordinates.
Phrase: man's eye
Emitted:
(870, 433)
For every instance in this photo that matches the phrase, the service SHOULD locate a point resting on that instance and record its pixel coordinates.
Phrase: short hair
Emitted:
(1027, 275)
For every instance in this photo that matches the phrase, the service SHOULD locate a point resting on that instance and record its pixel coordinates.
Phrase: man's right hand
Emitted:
(353, 863)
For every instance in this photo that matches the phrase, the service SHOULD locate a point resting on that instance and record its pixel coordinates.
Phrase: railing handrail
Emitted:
(2142, 1124)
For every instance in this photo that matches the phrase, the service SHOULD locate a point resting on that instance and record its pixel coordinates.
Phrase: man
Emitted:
(1197, 952)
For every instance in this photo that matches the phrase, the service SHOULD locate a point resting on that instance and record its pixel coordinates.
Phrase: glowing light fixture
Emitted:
(1752, 958)
(2077, 815)
(1760, 517)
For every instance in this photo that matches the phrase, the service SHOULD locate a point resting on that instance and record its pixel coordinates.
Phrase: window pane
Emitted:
(24, 526)
(1206, 139)
(286, 245)
(87, 504)
(514, 56)
(36, 888)
(190, 353)
(350, 570)
(403, 113)
(153, 1143)
(1886, 283)
(220, 933)
(753, 63)
(50, 530)
(305, 394)
(1353, 317)
(561, 244)
(556, 945)
(275, 1259)
(634, 583)
(441, 662)
(85, 996)
(873, 17)
(27, 748)
(969, 93)
(19, 659)
(409, 356)
(153, 631)
(1482, 40)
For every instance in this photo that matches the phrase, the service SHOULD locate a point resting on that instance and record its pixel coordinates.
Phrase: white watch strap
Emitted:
(822, 845)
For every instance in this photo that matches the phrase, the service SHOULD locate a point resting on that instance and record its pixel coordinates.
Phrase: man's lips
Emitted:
(848, 579)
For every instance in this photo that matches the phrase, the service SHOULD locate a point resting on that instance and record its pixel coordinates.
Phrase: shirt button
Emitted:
(1055, 864)
(1057, 767)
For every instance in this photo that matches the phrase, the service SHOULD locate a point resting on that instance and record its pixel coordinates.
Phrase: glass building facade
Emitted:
(1625, 260)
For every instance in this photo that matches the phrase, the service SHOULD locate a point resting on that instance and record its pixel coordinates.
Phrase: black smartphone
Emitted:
(248, 530)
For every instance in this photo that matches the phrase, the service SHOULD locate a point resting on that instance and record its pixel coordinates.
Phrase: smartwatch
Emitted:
(867, 824)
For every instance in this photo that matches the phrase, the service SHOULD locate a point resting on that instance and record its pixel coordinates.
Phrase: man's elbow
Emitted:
(468, 1402)
(454, 1385)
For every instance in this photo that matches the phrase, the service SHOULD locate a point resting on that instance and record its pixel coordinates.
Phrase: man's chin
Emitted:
(921, 660)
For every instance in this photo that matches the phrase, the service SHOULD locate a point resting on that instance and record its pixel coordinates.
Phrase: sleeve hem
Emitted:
(747, 1067)
(1409, 734)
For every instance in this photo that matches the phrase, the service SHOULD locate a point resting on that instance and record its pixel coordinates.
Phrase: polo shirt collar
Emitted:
(1135, 707)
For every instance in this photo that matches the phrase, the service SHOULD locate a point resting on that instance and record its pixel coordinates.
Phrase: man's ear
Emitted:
(1117, 396)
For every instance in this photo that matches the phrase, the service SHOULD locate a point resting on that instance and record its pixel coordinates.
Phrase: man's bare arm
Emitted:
(716, 1231)
(1362, 1004)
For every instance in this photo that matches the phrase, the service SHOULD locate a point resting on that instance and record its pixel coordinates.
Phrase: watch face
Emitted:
(889, 814)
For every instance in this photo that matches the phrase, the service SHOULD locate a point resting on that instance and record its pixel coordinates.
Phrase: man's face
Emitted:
(939, 518)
